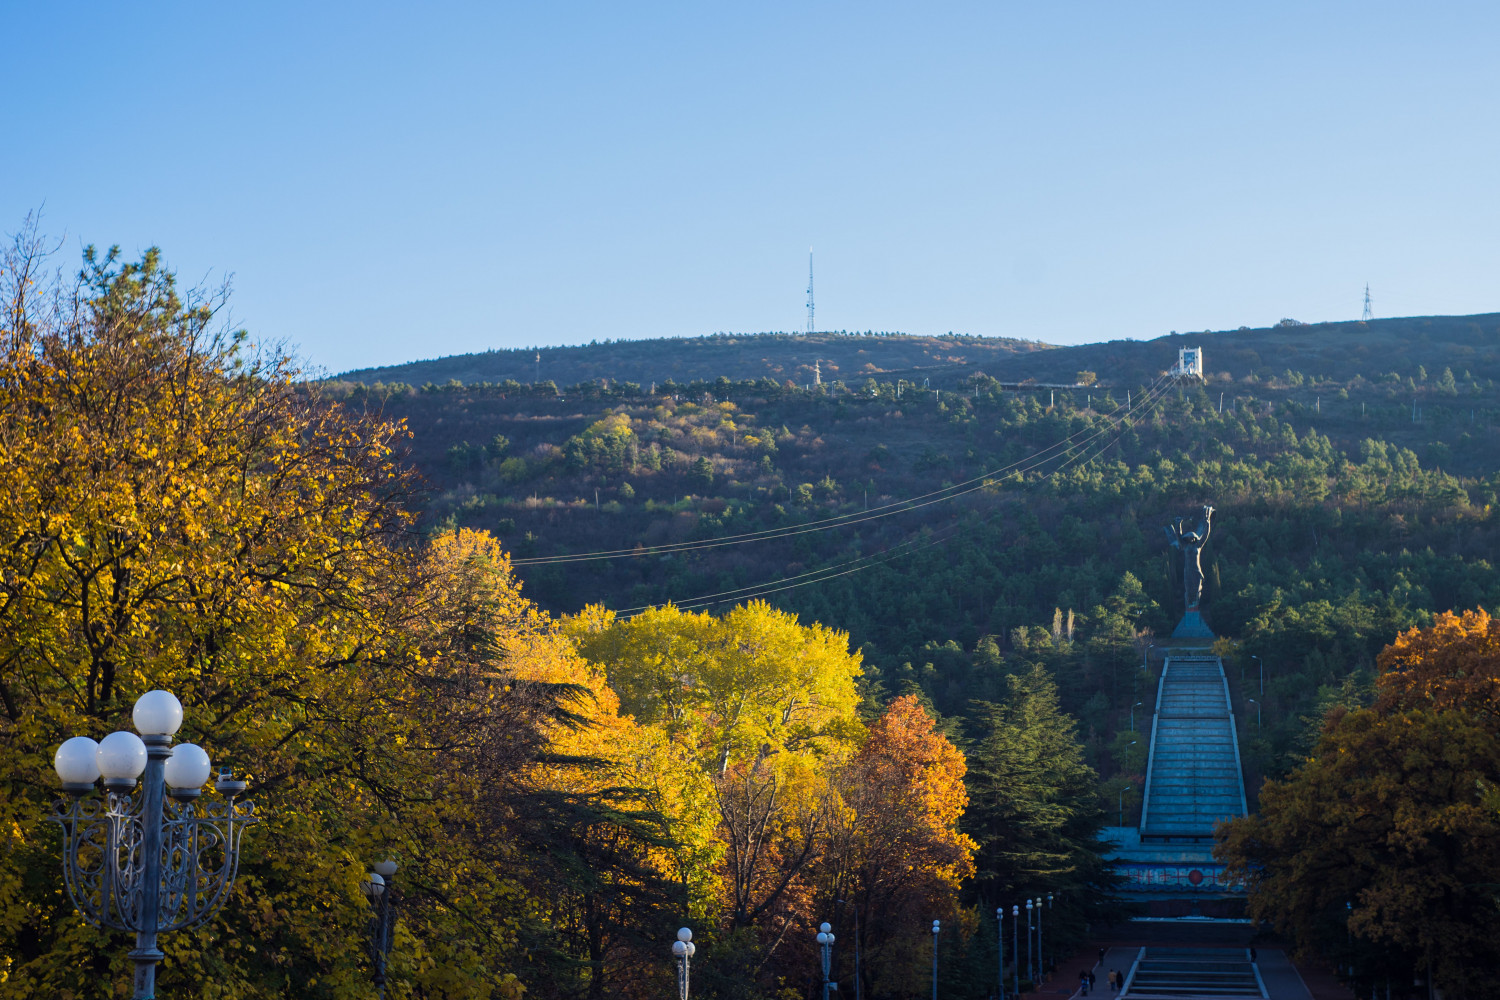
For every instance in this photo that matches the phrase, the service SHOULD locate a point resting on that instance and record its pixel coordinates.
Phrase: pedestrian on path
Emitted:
(1083, 984)
(1101, 956)
(1091, 980)
(1111, 980)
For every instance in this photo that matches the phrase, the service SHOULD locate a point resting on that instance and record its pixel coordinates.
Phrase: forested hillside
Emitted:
(782, 356)
(1354, 499)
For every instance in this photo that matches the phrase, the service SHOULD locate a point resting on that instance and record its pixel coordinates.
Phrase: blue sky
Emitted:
(392, 182)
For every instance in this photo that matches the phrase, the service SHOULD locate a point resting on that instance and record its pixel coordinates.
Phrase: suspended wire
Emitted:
(895, 507)
(907, 546)
(845, 568)
(979, 482)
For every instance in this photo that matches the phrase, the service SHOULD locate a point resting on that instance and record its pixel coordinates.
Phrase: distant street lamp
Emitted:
(682, 955)
(1261, 664)
(936, 928)
(1030, 966)
(1349, 935)
(1015, 951)
(1041, 953)
(1257, 713)
(380, 888)
(1045, 965)
(143, 864)
(856, 950)
(1000, 940)
(1139, 704)
(1127, 788)
(825, 942)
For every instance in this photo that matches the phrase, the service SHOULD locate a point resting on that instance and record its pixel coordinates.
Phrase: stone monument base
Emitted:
(1193, 626)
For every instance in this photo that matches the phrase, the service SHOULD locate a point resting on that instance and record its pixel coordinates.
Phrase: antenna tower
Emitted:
(809, 291)
(1368, 314)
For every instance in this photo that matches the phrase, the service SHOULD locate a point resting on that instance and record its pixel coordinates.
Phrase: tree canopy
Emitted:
(1386, 835)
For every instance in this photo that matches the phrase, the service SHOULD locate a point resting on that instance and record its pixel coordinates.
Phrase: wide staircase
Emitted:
(1180, 973)
(1193, 777)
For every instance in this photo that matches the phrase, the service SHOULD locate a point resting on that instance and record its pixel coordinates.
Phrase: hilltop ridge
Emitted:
(1336, 350)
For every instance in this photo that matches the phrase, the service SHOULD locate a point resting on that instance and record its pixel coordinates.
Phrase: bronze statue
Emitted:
(1191, 543)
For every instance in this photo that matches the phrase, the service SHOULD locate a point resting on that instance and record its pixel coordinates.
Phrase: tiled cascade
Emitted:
(1193, 779)
(1193, 972)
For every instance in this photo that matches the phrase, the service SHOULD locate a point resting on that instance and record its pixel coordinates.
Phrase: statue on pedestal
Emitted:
(1191, 543)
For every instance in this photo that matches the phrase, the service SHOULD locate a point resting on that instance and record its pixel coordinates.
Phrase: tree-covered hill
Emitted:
(1333, 350)
(782, 356)
(1355, 498)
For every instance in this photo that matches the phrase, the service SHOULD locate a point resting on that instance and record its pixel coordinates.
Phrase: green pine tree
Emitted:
(1035, 812)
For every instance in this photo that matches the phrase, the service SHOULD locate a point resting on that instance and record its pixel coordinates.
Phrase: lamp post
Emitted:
(1139, 704)
(1257, 713)
(143, 864)
(1146, 661)
(1349, 937)
(1262, 667)
(1045, 966)
(825, 942)
(856, 950)
(1015, 951)
(1030, 967)
(682, 954)
(1000, 940)
(937, 926)
(379, 887)
(1127, 787)
(1041, 953)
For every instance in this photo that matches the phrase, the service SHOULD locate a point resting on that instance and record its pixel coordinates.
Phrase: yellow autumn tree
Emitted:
(177, 510)
(764, 709)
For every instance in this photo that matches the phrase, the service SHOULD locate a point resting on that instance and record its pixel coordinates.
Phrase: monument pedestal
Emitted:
(1193, 626)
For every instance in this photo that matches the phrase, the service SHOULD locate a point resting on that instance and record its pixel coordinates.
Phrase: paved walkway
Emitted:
(1283, 981)
(1281, 977)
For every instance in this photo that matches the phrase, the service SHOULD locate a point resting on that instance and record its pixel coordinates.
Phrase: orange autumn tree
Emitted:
(1387, 837)
(895, 855)
(1455, 664)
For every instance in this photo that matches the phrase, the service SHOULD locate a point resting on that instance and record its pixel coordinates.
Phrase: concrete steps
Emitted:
(1193, 779)
(1170, 973)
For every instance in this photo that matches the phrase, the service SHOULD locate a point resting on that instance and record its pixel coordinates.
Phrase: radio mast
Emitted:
(809, 291)
(1368, 313)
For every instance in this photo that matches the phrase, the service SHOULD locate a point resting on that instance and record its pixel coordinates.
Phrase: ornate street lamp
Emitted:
(682, 954)
(825, 943)
(380, 889)
(143, 864)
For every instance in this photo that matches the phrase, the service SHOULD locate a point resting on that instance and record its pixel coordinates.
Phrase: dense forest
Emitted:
(1350, 506)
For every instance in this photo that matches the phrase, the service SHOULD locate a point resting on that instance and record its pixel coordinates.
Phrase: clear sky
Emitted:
(389, 182)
